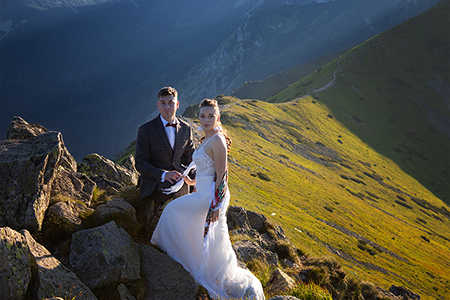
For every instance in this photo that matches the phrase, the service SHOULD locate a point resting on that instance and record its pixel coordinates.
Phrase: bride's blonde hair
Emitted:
(213, 103)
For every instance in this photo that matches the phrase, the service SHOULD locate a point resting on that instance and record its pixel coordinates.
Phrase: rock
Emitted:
(73, 185)
(18, 271)
(403, 292)
(124, 293)
(279, 233)
(80, 207)
(279, 283)
(284, 298)
(117, 206)
(290, 264)
(104, 255)
(129, 165)
(55, 278)
(19, 129)
(240, 218)
(257, 221)
(119, 210)
(106, 173)
(27, 171)
(66, 212)
(247, 250)
(266, 239)
(237, 218)
(382, 293)
(164, 277)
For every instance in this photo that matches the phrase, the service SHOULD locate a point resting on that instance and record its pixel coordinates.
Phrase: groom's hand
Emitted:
(173, 176)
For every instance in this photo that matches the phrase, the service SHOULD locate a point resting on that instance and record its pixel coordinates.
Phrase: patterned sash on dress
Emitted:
(217, 201)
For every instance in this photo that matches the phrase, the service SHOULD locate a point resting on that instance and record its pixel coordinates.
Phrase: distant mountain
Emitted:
(90, 68)
(278, 38)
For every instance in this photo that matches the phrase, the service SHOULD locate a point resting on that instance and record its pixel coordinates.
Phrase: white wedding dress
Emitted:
(180, 233)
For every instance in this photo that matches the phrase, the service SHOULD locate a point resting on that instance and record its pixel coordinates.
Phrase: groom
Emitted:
(164, 147)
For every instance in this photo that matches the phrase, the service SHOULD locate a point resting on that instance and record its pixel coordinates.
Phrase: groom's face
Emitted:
(167, 106)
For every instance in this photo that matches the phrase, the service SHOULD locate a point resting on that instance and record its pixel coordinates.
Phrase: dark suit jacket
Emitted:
(154, 154)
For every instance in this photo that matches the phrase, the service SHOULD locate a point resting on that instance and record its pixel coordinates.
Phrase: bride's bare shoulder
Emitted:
(219, 140)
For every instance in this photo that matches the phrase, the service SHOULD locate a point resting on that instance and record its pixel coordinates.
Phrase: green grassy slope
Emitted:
(344, 200)
(393, 92)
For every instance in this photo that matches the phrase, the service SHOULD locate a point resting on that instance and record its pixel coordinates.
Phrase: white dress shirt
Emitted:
(170, 131)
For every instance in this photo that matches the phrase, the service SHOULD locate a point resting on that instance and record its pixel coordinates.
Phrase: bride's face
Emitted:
(208, 118)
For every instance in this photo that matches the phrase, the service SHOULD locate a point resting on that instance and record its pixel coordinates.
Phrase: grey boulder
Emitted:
(104, 255)
(55, 279)
(165, 278)
(27, 171)
(18, 272)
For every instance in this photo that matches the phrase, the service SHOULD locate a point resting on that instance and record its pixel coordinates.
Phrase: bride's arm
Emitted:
(189, 181)
(219, 155)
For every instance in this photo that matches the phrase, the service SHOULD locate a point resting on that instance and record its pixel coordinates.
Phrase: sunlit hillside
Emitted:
(352, 160)
(335, 195)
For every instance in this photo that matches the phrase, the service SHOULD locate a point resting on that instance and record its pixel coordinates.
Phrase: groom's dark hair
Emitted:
(166, 91)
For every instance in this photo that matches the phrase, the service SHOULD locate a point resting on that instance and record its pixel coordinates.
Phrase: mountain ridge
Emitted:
(376, 110)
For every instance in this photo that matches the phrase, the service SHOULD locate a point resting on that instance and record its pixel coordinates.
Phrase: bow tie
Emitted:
(171, 125)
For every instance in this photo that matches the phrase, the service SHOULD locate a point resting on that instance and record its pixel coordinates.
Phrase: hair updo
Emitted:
(213, 103)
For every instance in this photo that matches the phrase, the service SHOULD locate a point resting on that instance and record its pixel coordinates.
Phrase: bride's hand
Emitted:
(215, 216)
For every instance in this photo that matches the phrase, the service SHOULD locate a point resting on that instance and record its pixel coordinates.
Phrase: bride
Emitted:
(193, 229)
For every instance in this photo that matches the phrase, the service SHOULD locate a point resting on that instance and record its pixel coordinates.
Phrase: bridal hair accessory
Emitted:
(177, 186)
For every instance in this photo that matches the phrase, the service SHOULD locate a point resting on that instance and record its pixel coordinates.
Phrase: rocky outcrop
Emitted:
(104, 255)
(117, 207)
(279, 283)
(247, 251)
(242, 221)
(124, 293)
(265, 238)
(164, 277)
(66, 212)
(403, 293)
(107, 174)
(19, 129)
(27, 171)
(73, 185)
(18, 272)
(119, 210)
(55, 278)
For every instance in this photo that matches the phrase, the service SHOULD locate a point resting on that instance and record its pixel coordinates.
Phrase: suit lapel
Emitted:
(162, 133)
(178, 137)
